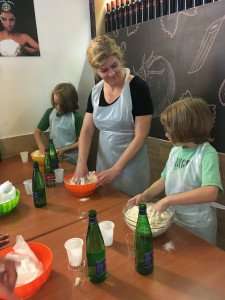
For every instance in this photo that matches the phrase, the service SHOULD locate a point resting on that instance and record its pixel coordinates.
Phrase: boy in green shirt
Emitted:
(191, 179)
(63, 121)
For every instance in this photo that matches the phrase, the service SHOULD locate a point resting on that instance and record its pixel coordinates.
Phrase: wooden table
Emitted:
(14, 170)
(63, 208)
(193, 270)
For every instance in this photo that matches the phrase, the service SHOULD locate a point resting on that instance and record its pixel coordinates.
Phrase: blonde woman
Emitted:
(120, 107)
(191, 178)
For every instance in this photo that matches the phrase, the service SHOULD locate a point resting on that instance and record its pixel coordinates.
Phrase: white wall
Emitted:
(26, 82)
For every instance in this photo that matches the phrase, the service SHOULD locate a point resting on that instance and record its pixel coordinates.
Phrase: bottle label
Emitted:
(39, 198)
(50, 179)
(100, 267)
(148, 260)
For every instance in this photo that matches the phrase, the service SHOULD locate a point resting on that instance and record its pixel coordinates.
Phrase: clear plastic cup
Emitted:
(28, 186)
(74, 249)
(24, 156)
(107, 229)
(59, 175)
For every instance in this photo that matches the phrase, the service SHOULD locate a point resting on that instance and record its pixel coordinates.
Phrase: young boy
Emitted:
(191, 178)
(63, 121)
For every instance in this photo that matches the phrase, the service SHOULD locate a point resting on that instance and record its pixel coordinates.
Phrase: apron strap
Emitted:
(217, 205)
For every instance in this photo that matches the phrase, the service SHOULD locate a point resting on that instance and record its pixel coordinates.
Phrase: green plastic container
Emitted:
(7, 207)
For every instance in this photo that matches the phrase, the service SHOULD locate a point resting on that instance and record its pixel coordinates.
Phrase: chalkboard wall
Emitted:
(181, 55)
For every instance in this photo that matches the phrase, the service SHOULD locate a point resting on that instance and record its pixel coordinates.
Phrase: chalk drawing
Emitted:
(221, 94)
(206, 45)
(170, 24)
(186, 94)
(132, 29)
(158, 73)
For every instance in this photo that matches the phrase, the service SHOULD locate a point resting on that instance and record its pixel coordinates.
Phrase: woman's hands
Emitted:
(8, 278)
(103, 177)
(80, 171)
(4, 239)
(107, 176)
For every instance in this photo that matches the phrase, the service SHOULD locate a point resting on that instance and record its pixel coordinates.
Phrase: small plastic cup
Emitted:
(28, 186)
(24, 156)
(74, 249)
(59, 175)
(107, 229)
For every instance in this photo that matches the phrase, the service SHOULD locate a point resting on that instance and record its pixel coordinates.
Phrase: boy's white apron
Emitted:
(63, 133)
(199, 218)
(116, 131)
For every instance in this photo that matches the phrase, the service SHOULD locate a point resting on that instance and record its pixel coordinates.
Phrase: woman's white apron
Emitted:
(116, 131)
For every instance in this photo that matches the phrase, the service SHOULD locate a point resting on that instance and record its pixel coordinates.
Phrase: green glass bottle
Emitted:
(38, 186)
(49, 172)
(53, 155)
(95, 250)
(143, 243)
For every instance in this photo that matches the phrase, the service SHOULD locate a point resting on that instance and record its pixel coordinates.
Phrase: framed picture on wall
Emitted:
(18, 30)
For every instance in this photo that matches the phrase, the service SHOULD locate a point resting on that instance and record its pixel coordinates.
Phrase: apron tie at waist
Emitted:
(118, 132)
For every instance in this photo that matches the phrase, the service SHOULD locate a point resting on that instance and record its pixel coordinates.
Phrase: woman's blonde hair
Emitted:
(101, 48)
(188, 120)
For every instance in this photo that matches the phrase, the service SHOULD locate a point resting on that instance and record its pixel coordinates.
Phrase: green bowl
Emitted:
(7, 207)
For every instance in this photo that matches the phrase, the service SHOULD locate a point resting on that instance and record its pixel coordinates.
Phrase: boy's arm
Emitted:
(64, 149)
(38, 140)
(202, 194)
(43, 125)
(153, 191)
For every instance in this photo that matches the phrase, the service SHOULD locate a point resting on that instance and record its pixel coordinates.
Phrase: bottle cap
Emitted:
(35, 164)
(92, 213)
(142, 207)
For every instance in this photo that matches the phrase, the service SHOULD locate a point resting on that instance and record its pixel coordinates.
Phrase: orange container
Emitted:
(79, 190)
(45, 255)
(40, 158)
(37, 156)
